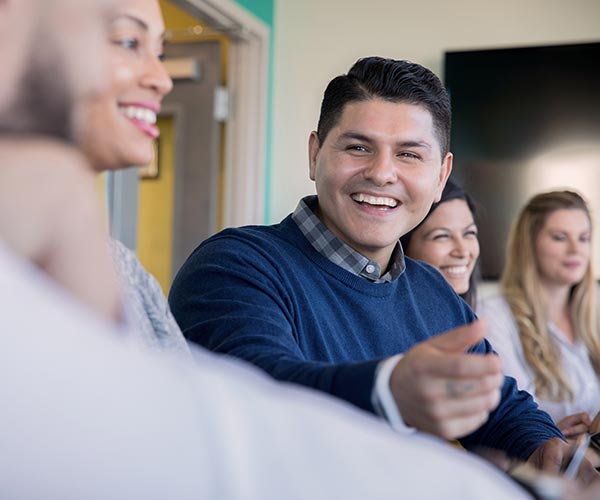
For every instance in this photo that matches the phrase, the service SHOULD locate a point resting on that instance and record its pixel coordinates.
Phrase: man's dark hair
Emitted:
(391, 80)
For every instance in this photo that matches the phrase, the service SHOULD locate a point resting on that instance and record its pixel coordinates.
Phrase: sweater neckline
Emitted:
(349, 279)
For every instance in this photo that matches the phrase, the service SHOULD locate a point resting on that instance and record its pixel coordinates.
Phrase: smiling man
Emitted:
(376, 172)
(327, 299)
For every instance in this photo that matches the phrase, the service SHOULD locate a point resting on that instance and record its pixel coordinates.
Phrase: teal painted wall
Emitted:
(265, 11)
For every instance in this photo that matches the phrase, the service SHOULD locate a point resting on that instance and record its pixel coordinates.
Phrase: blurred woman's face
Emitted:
(563, 247)
(18, 21)
(47, 70)
(119, 128)
(448, 241)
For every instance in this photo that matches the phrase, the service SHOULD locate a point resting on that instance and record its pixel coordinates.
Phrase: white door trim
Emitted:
(246, 131)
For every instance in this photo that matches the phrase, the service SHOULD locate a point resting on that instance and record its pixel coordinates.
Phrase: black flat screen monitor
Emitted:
(525, 120)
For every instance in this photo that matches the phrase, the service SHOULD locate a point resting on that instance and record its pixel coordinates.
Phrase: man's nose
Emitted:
(382, 170)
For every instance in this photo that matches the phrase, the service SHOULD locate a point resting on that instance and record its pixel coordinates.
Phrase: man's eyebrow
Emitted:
(414, 144)
(357, 136)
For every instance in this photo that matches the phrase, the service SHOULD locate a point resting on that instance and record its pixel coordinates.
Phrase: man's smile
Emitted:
(382, 202)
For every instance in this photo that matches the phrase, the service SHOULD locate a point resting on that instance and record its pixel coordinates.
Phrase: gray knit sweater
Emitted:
(145, 304)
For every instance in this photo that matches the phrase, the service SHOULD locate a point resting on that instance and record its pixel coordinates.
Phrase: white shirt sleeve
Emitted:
(383, 399)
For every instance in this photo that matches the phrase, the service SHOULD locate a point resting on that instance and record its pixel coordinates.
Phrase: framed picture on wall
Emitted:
(152, 170)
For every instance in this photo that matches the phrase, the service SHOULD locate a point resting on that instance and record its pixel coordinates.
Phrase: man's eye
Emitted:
(410, 155)
(357, 147)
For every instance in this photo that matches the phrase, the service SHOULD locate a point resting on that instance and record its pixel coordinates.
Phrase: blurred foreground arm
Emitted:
(94, 416)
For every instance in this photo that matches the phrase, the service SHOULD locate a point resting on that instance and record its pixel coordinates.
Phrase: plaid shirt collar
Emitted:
(332, 248)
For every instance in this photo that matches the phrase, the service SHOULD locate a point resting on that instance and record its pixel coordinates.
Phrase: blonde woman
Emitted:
(544, 324)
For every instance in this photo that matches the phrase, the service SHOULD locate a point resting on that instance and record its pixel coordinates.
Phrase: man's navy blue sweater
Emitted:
(264, 294)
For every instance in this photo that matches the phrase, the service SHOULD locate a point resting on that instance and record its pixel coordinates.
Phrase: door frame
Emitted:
(246, 130)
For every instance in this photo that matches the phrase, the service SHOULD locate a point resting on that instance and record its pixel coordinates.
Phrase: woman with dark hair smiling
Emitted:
(119, 130)
(447, 239)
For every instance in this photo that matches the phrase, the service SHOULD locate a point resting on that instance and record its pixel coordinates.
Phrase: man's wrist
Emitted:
(382, 397)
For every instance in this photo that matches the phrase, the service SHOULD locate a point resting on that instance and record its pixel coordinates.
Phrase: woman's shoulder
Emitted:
(134, 276)
(146, 305)
(131, 272)
(501, 324)
(493, 304)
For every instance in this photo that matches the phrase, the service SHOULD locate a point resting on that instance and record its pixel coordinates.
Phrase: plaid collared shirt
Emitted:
(331, 247)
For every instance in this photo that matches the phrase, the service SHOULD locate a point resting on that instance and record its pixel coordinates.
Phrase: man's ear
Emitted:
(314, 146)
(445, 171)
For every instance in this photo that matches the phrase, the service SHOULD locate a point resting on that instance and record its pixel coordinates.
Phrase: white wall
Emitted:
(315, 40)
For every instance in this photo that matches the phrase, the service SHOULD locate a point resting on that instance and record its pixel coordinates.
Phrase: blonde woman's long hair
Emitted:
(522, 288)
